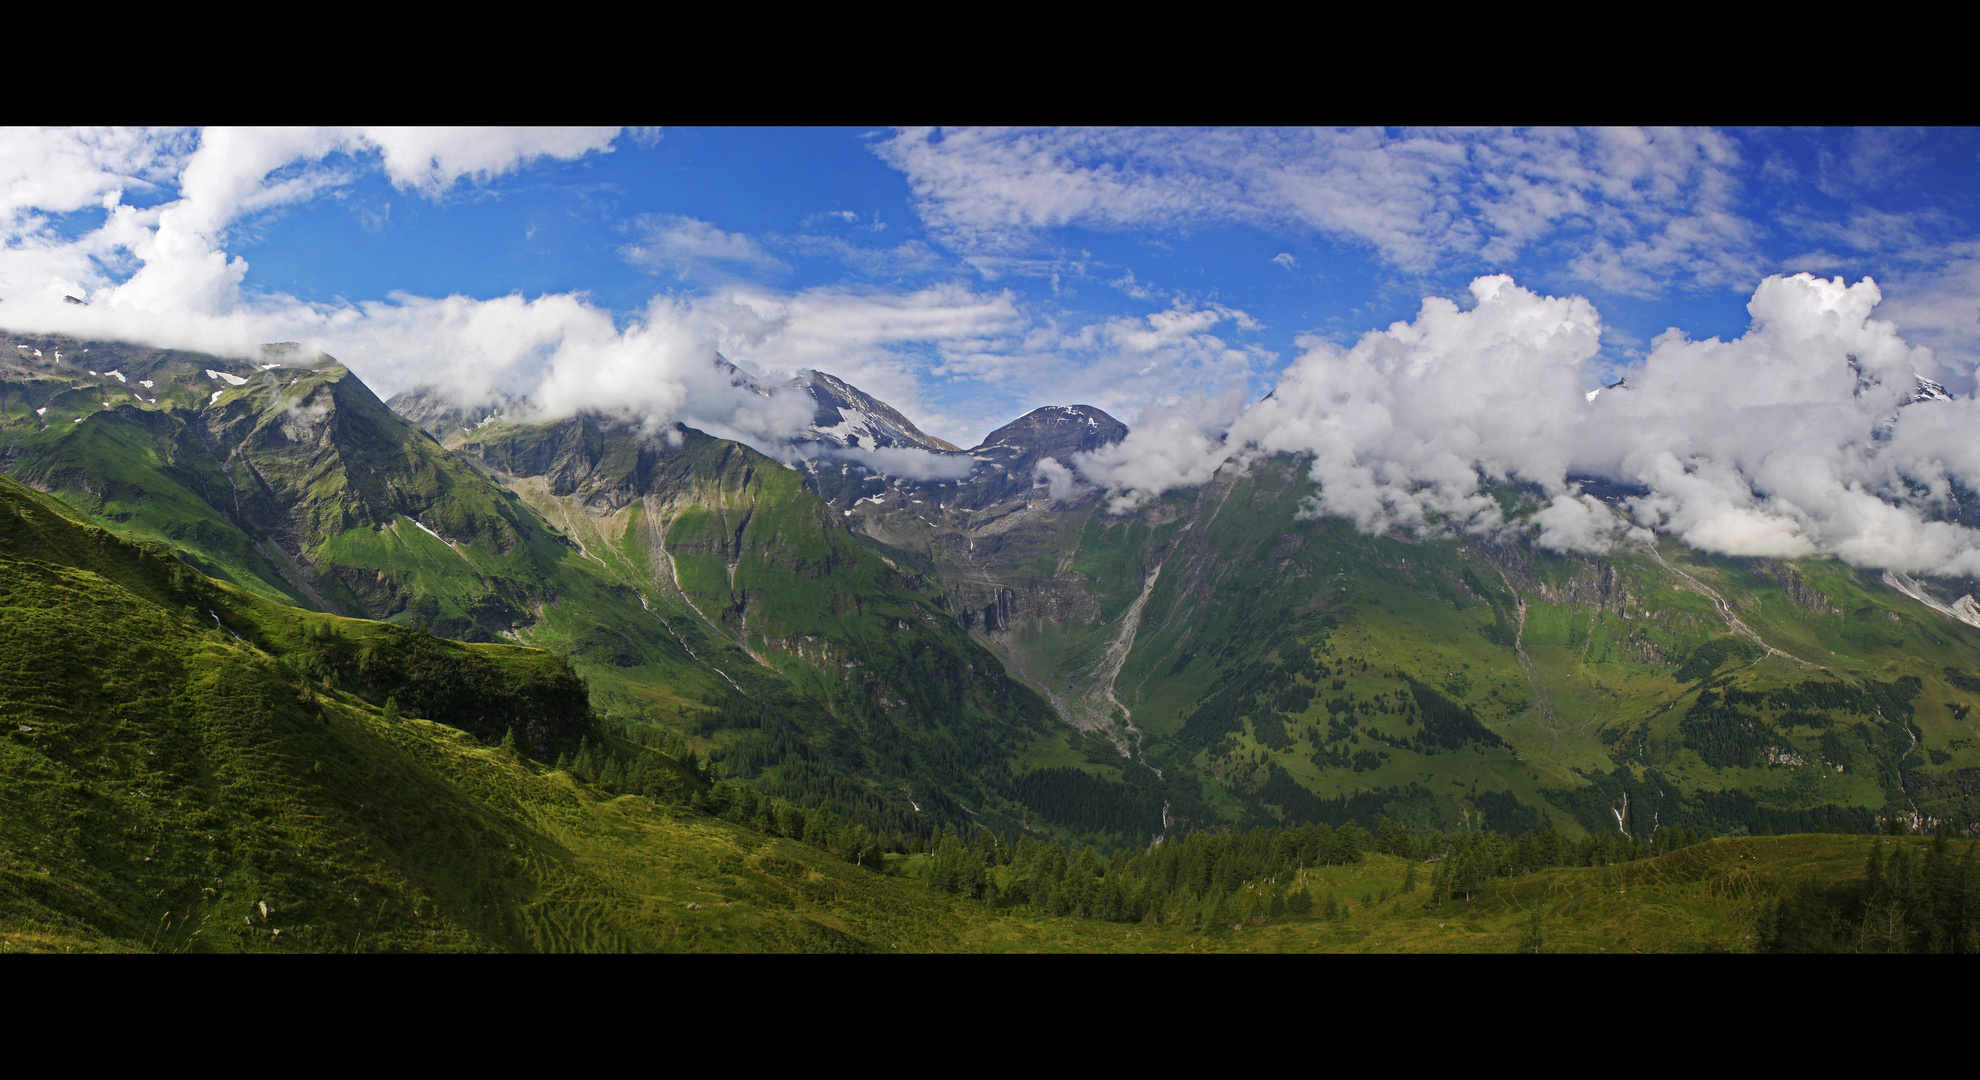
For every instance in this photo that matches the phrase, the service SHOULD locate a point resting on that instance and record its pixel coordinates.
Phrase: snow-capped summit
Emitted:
(1922, 389)
(847, 416)
(1620, 384)
(1926, 390)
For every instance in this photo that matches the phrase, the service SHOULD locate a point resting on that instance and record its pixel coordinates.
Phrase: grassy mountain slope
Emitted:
(878, 691)
(179, 753)
(177, 777)
(1245, 662)
(713, 575)
(173, 743)
(290, 479)
(286, 476)
(1279, 667)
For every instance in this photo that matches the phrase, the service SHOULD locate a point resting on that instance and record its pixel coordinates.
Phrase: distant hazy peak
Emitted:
(431, 408)
(739, 377)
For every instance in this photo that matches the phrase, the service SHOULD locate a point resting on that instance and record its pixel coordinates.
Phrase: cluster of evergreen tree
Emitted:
(671, 774)
(638, 760)
(1465, 861)
(1215, 879)
(1207, 879)
(1728, 726)
(1265, 690)
(1084, 802)
(444, 681)
(1907, 901)
(796, 750)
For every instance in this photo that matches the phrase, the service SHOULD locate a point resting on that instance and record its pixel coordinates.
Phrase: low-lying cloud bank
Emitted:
(1793, 440)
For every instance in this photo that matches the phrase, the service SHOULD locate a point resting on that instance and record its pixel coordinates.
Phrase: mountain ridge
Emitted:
(1217, 653)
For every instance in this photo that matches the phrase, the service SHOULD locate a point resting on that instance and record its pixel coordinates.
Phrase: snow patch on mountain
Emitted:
(845, 416)
(1927, 390)
(1965, 609)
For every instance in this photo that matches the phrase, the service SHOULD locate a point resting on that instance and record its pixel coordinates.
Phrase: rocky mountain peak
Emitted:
(1924, 389)
(1054, 431)
(848, 416)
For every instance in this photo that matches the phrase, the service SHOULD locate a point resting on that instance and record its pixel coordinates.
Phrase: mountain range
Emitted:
(978, 640)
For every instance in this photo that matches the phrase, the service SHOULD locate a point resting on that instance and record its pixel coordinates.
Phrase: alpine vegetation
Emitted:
(1521, 541)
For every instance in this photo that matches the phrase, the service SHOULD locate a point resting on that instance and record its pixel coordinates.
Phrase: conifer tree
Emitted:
(391, 712)
(819, 826)
(1220, 912)
(1247, 907)
(1941, 887)
(744, 807)
(1534, 938)
(1466, 867)
(509, 740)
(1966, 928)
(1058, 901)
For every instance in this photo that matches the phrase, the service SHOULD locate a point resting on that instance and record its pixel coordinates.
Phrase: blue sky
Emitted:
(965, 275)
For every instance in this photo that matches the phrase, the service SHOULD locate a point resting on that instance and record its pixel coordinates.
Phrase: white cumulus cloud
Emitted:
(1791, 440)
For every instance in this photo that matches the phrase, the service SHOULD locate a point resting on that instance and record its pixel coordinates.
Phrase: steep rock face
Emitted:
(999, 474)
(1798, 590)
(996, 540)
(1006, 551)
(573, 457)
